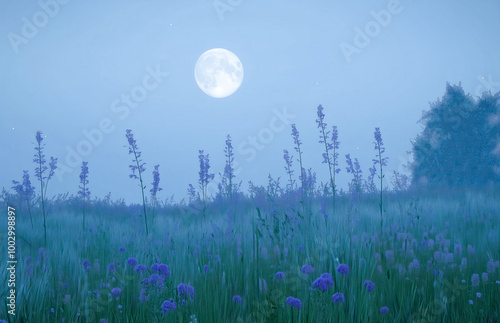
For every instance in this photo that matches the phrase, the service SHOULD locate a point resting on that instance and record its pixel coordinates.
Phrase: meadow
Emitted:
(434, 260)
(292, 251)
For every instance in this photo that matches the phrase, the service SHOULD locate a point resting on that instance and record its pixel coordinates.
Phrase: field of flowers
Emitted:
(301, 252)
(434, 260)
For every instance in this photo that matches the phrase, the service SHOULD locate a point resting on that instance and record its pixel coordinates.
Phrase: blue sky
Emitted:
(68, 75)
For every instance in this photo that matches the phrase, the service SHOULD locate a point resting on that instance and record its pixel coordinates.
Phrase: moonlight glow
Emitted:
(218, 72)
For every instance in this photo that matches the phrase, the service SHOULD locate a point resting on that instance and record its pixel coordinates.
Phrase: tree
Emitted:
(460, 141)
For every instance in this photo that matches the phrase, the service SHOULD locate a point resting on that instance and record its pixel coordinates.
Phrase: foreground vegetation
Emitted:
(434, 260)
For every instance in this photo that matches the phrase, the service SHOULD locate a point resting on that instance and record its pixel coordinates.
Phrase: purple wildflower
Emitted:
(294, 302)
(205, 268)
(84, 181)
(156, 182)
(343, 269)
(484, 277)
(237, 299)
(478, 295)
(185, 291)
(111, 268)
(86, 265)
(280, 276)
(168, 306)
(155, 266)
(140, 268)
(163, 270)
(369, 285)
(471, 302)
(122, 249)
(116, 291)
(323, 282)
(338, 298)
(132, 262)
(307, 269)
(475, 280)
(288, 167)
(384, 310)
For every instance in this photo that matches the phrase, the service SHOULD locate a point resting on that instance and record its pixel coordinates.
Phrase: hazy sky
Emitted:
(66, 67)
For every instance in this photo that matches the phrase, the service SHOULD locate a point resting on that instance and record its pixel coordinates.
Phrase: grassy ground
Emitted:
(222, 258)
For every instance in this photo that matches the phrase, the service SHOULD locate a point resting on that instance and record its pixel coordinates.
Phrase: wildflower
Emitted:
(156, 182)
(122, 249)
(478, 295)
(168, 306)
(377, 258)
(343, 269)
(84, 192)
(86, 265)
(103, 321)
(475, 280)
(120, 307)
(163, 270)
(490, 266)
(205, 268)
(369, 285)
(154, 267)
(132, 262)
(185, 290)
(323, 282)
(300, 248)
(307, 269)
(52, 310)
(279, 276)
(116, 291)
(294, 302)
(471, 302)
(414, 266)
(384, 310)
(338, 298)
(470, 250)
(140, 268)
(237, 299)
(484, 278)
(463, 264)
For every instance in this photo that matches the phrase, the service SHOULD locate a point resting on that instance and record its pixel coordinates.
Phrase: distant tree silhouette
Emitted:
(460, 143)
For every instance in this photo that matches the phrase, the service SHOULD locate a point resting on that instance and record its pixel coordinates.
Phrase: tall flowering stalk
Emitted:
(288, 167)
(382, 161)
(40, 170)
(298, 143)
(84, 191)
(25, 191)
(229, 169)
(204, 177)
(355, 169)
(156, 186)
(137, 166)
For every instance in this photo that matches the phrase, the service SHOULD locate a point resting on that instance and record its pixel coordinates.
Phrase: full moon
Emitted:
(218, 72)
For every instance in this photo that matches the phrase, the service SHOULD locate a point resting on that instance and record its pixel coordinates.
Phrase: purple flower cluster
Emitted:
(280, 276)
(116, 291)
(137, 163)
(185, 291)
(343, 269)
(132, 262)
(338, 298)
(384, 310)
(161, 269)
(168, 306)
(156, 182)
(307, 269)
(323, 282)
(369, 285)
(294, 302)
(237, 299)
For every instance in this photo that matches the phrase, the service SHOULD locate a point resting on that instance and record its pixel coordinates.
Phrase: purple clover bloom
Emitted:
(132, 262)
(122, 249)
(478, 295)
(154, 267)
(307, 269)
(86, 265)
(369, 285)
(294, 302)
(280, 276)
(111, 268)
(323, 282)
(168, 306)
(384, 309)
(237, 299)
(116, 291)
(205, 268)
(185, 291)
(343, 269)
(140, 268)
(163, 270)
(338, 298)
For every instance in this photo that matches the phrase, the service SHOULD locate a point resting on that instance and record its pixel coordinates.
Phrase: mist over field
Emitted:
(235, 161)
